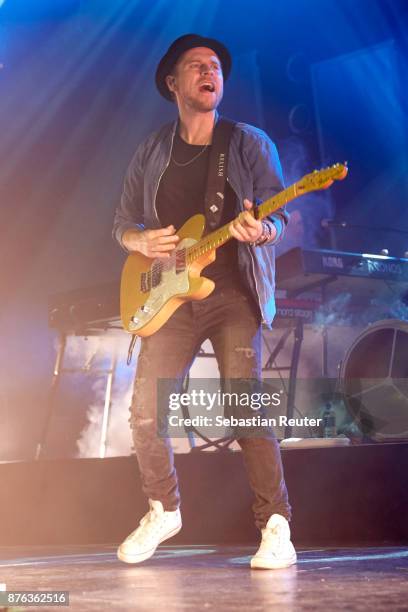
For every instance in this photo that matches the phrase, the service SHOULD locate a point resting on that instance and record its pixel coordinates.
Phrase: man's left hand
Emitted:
(246, 228)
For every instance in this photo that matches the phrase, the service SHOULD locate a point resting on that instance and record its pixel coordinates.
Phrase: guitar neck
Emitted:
(222, 234)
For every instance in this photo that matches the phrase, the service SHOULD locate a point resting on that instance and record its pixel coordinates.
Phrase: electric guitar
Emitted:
(152, 289)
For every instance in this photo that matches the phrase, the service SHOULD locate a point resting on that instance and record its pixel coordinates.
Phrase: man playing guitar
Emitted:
(165, 185)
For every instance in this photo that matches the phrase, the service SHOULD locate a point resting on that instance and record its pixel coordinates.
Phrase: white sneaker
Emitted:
(276, 550)
(155, 527)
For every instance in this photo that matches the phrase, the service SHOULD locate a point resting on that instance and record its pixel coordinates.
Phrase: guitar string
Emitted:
(158, 266)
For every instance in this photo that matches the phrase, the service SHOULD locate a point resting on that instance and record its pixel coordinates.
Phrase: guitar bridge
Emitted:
(151, 279)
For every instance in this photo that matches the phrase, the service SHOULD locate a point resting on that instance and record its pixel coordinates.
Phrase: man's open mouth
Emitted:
(207, 87)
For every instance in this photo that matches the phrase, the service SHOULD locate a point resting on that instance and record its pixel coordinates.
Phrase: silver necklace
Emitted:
(191, 160)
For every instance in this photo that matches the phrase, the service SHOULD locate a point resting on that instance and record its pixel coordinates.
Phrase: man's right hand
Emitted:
(151, 243)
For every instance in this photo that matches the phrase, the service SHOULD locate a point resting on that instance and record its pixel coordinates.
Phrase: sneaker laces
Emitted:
(147, 526)
(271, 538)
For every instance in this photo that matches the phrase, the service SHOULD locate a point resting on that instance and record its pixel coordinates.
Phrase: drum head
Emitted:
(374, 380)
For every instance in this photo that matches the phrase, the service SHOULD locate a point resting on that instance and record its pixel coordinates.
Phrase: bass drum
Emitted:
(374, 381)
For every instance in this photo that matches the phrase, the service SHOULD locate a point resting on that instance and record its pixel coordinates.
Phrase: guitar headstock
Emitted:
(322, 179)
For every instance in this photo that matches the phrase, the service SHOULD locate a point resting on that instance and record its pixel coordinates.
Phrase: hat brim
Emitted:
(180, 46)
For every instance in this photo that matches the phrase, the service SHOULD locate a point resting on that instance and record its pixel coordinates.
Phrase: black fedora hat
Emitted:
(180, 46)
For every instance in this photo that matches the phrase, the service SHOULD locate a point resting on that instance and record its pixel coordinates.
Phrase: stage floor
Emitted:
(211, 578)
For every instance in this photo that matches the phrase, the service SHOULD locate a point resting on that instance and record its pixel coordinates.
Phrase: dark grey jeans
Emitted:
(230, 319)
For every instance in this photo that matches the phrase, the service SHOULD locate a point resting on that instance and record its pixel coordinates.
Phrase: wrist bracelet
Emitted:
(264, 237)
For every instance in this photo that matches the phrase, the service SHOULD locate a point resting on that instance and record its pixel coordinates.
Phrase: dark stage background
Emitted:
(326, 79)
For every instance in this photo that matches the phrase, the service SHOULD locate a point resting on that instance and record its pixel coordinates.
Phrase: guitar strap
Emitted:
(217, 173)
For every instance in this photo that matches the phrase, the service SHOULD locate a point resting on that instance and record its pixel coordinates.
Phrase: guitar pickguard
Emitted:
(172, 283)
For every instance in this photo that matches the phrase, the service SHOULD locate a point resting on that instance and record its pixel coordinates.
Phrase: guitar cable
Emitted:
(130, 350)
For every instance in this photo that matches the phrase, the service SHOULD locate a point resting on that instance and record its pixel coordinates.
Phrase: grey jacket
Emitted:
(254, 172)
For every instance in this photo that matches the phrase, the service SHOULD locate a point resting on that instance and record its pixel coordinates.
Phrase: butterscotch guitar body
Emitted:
(152, 289)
